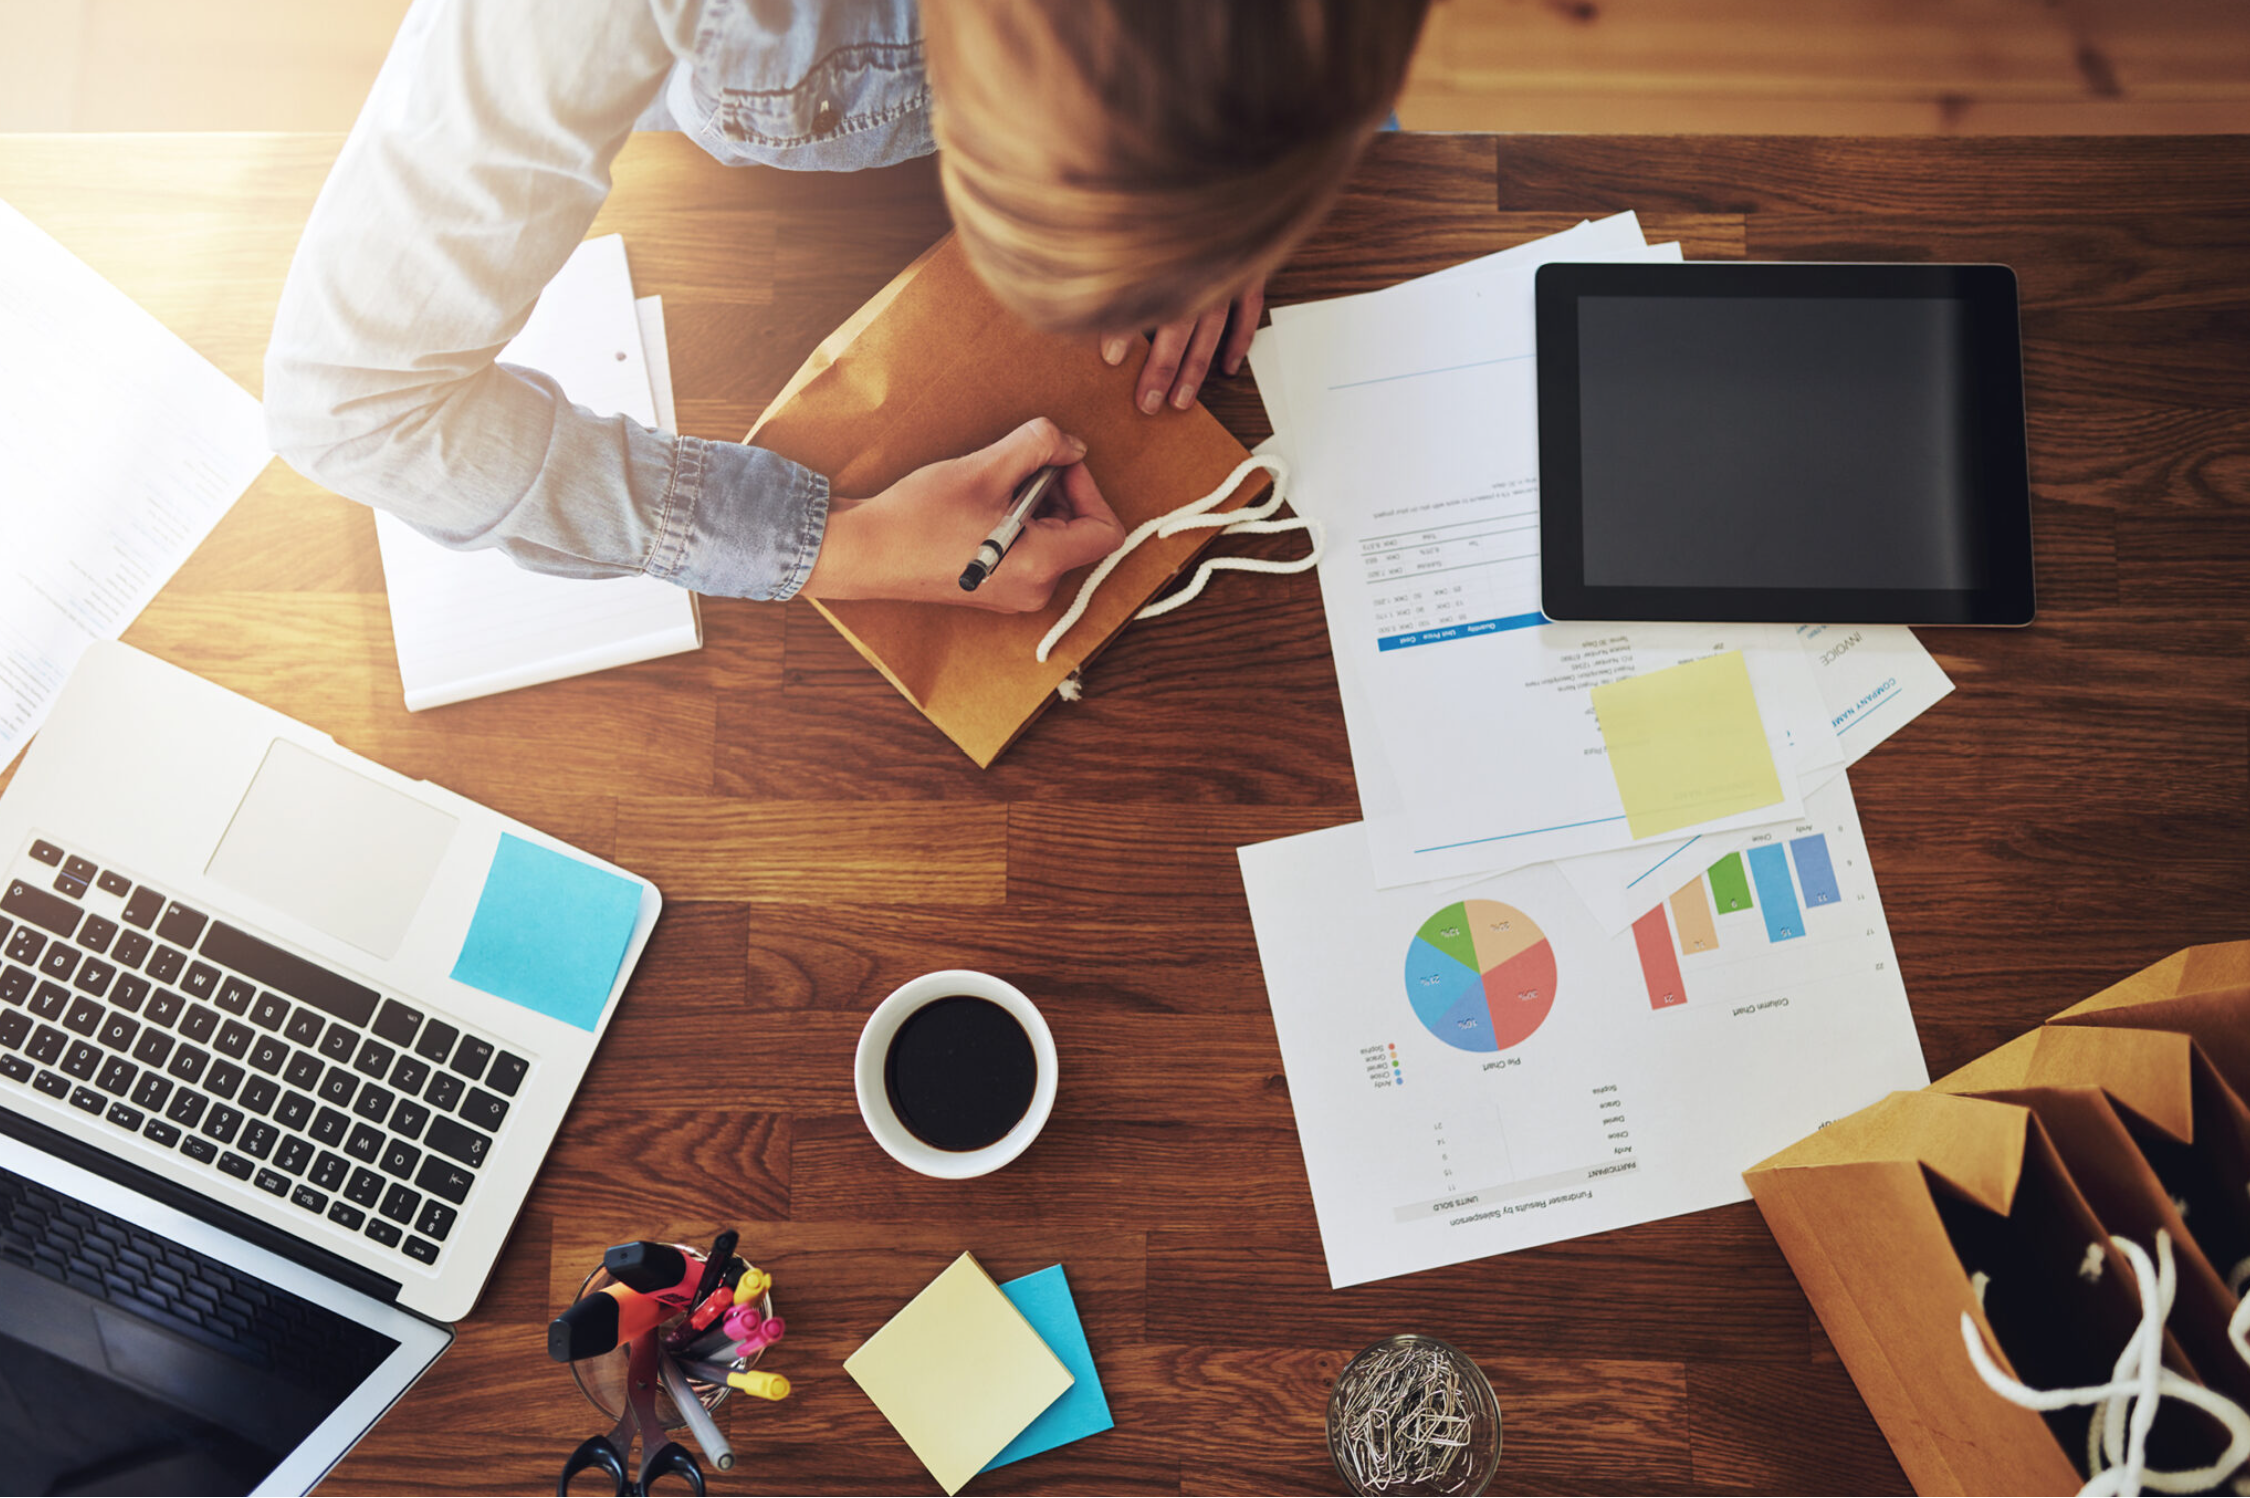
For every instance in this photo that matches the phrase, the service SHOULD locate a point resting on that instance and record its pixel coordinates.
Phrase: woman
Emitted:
(1111, 165)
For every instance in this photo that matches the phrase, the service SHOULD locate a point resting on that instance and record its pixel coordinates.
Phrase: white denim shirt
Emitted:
(473, 172)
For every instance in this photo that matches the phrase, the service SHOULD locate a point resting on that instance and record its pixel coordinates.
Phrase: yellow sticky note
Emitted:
(959, 1373)
(1686, 744)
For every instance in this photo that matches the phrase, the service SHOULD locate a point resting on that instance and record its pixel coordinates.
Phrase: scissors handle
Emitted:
(599, 1453)
(670, 1460)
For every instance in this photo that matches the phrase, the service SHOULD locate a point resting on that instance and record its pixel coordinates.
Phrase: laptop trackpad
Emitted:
(333, 848)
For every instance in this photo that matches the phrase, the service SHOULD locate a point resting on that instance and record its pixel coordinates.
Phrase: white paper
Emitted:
(470, 623)
(1610, 1110)
(120, 449)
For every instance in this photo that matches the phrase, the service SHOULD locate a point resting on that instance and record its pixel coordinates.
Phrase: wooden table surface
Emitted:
(2080, 807)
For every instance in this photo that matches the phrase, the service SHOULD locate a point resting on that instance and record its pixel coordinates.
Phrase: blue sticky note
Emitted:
(1044, 1299)
(549, 932)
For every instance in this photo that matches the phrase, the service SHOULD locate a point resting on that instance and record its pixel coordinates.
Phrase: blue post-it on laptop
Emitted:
(1082, 1410)
(549, 932)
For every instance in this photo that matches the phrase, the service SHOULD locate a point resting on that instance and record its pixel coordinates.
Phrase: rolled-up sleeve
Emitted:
(480, 159)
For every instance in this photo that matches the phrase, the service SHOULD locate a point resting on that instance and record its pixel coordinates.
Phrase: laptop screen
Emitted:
(132, 1363)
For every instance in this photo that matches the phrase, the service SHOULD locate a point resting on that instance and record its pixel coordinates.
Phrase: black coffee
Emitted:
(960, 1073)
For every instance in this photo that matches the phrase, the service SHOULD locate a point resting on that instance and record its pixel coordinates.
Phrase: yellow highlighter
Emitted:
(763, 1385)
(754, 1283)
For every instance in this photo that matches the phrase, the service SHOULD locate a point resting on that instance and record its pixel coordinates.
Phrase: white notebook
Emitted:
(471, 623)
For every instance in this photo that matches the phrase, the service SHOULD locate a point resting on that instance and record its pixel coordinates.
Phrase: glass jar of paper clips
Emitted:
(1414, 1416)
(602, 1379)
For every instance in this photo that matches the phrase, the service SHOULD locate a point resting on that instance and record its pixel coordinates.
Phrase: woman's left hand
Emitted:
(1180, 353)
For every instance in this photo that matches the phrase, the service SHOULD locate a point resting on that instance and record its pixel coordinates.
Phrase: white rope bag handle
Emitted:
(1251, 520)
(2117, 1437)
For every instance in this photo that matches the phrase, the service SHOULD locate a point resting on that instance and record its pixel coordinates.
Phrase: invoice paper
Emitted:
(1480, 1070)
(471, 623)
(120, 448)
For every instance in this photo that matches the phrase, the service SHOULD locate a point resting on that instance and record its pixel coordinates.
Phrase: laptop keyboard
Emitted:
(178, 1288)
(244, 1058)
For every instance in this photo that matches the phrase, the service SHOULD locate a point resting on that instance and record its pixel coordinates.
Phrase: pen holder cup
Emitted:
(602, 1379)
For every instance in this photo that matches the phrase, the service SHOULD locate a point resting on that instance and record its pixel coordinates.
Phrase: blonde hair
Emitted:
(1113, 164)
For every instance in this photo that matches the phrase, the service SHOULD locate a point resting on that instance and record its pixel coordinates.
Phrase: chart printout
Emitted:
(1477, 1070)
(120, 448)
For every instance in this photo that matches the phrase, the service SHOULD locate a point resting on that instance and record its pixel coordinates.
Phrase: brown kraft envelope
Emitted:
(933, 367)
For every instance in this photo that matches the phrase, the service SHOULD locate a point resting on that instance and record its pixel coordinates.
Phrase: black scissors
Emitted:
(660, 1455)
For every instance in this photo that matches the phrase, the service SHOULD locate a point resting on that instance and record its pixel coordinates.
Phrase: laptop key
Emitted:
(437, 1040)
(167, 965)
(15, 1068)
(196, 1147)
(50, 913)
(151, 1092)
(96, 935)
(259, 1139)
(366, 1188)
(235, 996)
(201, 981)
(86, 1100)
(52, 1083)
(470, 1056)
(269, 1011)
(131, 950)
(47, 1045)
(47, 853)
(396, 1023)
(408, 1118)
(329, 1127)
(409, 1075)
(187, 1108)
(458, 1142)
(344, 1214)
(483, 1109)
(153, 1047)
(374, 1103)
(188, 1063)
(113, 883)
(295, 1154)
(14, 1026)
(222, 1122)
(223, 1078)
(295, 1112)
(161, 1132)
(181, 926)
(329, 1170)
(269, 1054)
(26, 945)
(82, 1060)
(94, 975)
(445, 1090)
(130, 990)
(80, 868)
(506, 1074)
(374, 1059)
(421, 1248)
(258, 1094)
(304, 1027)
(60, 962)
(339, 1087)
(85, 1017)
(304, 1071)
(436, 1220)
(311, 1200)
(144, 907)
(236, 1166)
(125, 1117)
(364, 1145)
(165, 1007)
(340, 1043)
(118, 1031)
(400, 1158)
(75, 888)
(383, 1232)
(199, 1022)
(117, 1076)
(400, 1201)
(16, 984)
(234, 1039)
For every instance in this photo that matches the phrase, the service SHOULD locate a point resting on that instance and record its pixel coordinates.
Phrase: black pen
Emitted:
(1004, 535)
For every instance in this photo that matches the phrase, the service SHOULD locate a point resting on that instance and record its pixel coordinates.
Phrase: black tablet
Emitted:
(1783, 443)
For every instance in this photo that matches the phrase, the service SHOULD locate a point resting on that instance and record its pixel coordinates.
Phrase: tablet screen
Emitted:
(1782, 442)
(1751, 442)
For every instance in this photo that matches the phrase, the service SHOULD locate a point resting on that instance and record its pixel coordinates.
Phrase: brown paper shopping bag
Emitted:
(1900, 1219)
(934, 367)
(2201, 992)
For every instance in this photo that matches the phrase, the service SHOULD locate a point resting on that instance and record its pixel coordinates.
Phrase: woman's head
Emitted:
(1119, 163)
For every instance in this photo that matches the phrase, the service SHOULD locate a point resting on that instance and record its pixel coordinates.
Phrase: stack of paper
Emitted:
(471, 623)
(1654, 951)
(976, 1375)
(120, 448)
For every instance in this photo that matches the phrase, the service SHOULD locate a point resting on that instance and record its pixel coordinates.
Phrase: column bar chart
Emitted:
(1816, 872)
(1769, 866)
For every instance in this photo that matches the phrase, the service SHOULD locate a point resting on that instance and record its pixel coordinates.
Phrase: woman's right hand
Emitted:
(912, 540)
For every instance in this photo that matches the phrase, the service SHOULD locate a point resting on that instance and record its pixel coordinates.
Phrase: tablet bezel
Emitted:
(2003, 467)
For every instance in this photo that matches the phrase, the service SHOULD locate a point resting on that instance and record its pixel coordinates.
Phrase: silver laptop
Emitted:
(284, 1037)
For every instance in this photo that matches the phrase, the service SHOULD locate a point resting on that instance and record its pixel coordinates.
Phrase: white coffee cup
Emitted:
(875, 1100)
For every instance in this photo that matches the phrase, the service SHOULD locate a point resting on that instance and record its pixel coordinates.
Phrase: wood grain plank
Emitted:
(715, 848)
(1748, 1425)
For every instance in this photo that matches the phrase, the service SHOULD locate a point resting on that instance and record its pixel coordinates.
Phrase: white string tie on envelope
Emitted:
(1251, 520)
(2117, 1436)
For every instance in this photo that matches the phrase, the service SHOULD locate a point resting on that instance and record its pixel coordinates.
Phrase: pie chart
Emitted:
(1481, 976)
